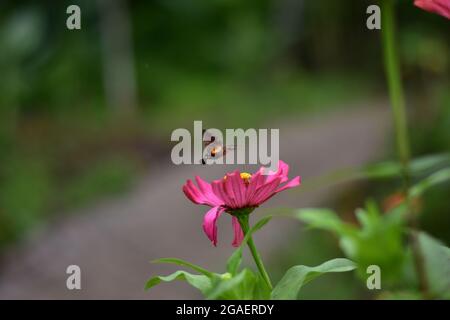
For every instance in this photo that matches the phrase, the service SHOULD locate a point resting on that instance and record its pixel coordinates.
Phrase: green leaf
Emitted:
(246, 285)
(262, 291)
(236, 258)
(380, 170)
(437, 265)
(183, 263)
(296, 277)
(231, 285)
(325, 219)
(239, 287)
(426, 163)
(417, 166)
(430, 181)
(201, 282)
(377, 240)
(369, 218)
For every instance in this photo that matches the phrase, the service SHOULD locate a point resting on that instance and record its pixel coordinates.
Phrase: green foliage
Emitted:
(378, 240)
(25, 186)
(28, 190)
(183, 263)
(200, 282)
(298, 276)
(233, 284)
(247, 61)
(245, 284)
(240, 285)
(436, 259)
(436, 178)
(419, 167)
(110, 177)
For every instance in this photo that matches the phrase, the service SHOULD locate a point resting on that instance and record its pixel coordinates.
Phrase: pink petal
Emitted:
(283, 168)
(238, 233)
(282, 172)
(256, 181)
(191, 191)
(196, 196)
(235, 189)
(291, 184)
(265, 192)
(218, 189)
(229, 190)
(441, 7)
(206, 189)
(209, 223)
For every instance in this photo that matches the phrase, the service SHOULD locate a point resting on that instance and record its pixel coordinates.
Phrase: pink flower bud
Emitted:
(441, 7)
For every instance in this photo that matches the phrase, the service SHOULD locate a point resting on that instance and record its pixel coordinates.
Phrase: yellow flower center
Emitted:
(244, 176)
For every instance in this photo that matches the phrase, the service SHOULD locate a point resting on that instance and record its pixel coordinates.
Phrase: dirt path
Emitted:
(114, 241)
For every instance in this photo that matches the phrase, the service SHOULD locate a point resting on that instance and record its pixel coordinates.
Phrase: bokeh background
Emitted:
(86, 117)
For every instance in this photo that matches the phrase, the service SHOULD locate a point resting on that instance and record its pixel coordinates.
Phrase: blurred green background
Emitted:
(83, 113)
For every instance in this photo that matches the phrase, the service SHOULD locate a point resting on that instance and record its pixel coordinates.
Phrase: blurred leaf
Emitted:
(183, 263)
(325, 219)
(378, 240)
(22, 33)
(382, 170)
(201, 282)
(296, 277)
(437, 265)
(236, 258)
(262, 291)
(418, 166)
(429, 162)
(430, 181)
(234, 261)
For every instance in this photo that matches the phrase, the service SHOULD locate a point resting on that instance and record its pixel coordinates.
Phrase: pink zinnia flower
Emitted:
(237, 193)
(441, 7)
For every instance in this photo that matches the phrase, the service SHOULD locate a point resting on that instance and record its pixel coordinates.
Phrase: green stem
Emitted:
(395, 87)
(244, 222)
(397, 99)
